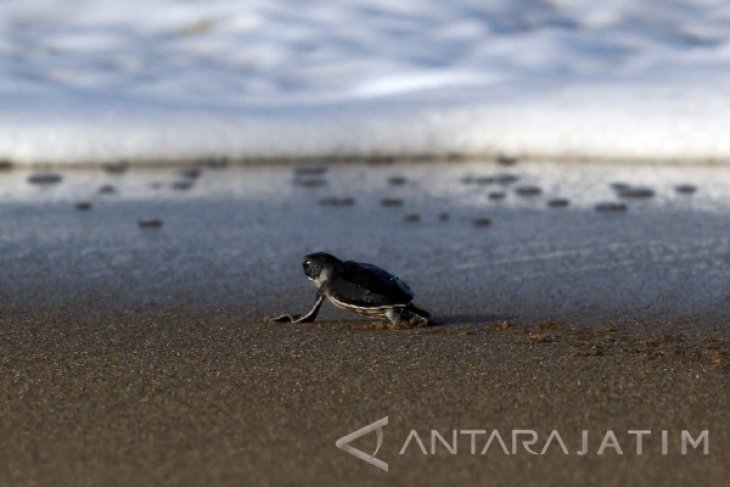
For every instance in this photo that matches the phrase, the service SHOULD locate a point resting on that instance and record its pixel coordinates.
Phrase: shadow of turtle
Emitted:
(438, 322)
(469, 319)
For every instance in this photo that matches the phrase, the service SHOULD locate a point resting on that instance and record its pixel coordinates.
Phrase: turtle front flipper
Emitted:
(283, 319)
(311, 315)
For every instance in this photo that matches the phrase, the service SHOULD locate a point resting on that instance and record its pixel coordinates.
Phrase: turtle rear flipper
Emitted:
(419, 311)
(408, 317)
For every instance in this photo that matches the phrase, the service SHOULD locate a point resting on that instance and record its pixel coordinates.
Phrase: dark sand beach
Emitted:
(134, 351)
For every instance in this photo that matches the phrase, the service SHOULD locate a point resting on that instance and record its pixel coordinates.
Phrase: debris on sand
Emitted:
(505, 179)
(149, 223)
(44, 178)
(558, 202)
(117, 167)
(308, 171)
(310, 176)
(502, 325)
(619, 186)
(685, 189)
(182, 185)
(542, 337)
(391, 202)
(397, 180)
(635, 192)
(610, 207)
(528, 190)
(190, 173)
(478, 180)
(481, 222)
(214, 163)
(337, 201)
(309, 182)
(506, 161)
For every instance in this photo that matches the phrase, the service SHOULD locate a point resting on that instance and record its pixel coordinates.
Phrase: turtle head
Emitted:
(317, 266)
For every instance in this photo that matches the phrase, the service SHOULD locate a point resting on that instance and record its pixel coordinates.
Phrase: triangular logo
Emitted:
(344, 443)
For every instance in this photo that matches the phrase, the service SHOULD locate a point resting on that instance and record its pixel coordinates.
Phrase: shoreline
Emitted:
(219, 161)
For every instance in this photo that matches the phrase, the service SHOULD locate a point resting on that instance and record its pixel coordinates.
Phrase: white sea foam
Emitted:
(101, 80)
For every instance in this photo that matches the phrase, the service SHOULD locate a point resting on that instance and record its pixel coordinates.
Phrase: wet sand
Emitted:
(136, 354)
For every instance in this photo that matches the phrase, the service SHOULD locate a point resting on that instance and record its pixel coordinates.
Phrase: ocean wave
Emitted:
(166, 81)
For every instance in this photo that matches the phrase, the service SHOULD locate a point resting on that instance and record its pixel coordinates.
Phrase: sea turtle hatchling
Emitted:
(362, 288)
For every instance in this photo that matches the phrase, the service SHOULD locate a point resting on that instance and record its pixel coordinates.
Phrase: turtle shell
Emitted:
(367, 286)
